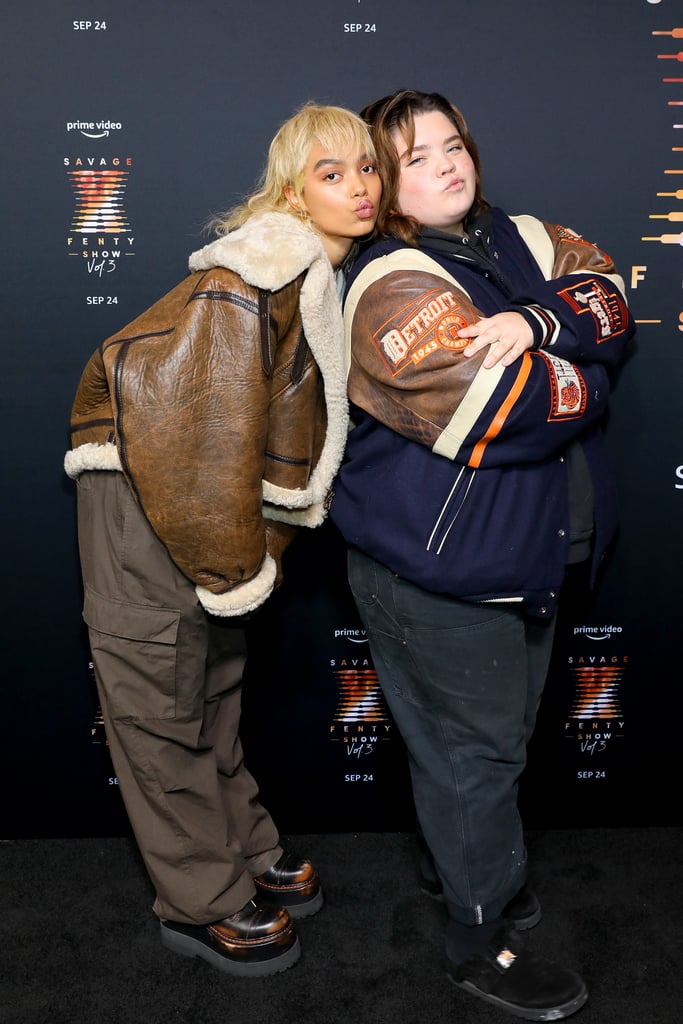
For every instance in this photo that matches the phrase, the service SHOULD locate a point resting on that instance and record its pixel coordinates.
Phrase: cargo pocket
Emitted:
(134, 652)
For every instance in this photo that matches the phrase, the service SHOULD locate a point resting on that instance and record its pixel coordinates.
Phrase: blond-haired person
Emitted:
(203, 434)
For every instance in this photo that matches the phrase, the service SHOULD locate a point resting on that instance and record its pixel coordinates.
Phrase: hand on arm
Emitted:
(507, 335)
(408, 372)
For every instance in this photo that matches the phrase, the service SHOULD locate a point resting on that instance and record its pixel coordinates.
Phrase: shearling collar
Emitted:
(268, 251)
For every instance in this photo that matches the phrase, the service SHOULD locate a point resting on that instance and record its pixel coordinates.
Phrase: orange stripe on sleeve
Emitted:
(504, 411)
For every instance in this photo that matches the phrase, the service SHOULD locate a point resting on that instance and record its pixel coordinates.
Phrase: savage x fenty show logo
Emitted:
(361, 720)
(596, 719)
(100, 231)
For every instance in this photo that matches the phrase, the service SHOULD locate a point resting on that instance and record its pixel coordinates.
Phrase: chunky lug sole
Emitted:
(528, 1013)
(279, 897)
(190, 946)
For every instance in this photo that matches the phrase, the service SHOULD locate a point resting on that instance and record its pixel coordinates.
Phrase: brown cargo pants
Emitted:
(169, 679)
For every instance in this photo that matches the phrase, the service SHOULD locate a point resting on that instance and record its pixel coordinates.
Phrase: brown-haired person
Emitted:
(481, 351)
(203, 433)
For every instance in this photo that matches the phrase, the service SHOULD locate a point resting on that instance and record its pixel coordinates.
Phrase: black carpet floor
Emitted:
(79, 944)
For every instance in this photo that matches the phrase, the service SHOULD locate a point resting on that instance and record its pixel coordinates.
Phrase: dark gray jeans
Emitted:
(463, 682)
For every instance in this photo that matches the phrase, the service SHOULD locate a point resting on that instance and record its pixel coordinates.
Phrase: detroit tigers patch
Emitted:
(607, 308)
(567, 389)
(430, 322)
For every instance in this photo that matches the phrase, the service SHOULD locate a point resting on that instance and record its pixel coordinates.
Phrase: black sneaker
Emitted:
(256, 941)
(514, 979)
(431, 887)
(522, 912)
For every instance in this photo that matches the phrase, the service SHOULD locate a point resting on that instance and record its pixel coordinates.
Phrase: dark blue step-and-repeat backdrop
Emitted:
(126, 127)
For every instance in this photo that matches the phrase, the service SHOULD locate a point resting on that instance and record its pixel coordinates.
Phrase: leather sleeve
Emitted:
(580, 312)
(408, 371)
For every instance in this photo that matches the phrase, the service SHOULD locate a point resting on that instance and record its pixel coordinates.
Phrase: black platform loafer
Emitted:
(514, 979)
(292, 882)
(258, 940)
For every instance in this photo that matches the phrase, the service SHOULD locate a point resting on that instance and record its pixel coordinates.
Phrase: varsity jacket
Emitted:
(455, 475)
(224, 405)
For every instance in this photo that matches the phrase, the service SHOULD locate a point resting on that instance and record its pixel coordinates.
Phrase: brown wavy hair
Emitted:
(398, 111)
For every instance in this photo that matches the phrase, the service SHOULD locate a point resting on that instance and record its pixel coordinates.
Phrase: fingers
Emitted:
(506, 335)
(506, 356)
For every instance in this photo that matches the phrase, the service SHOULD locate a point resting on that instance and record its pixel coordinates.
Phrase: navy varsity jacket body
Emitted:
(456, 476)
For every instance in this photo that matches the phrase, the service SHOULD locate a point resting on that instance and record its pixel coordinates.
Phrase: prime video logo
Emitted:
(597, 632)
(94, 129)
(356, 636)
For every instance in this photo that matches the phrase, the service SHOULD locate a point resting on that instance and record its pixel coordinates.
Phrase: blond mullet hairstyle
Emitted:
(337, 130)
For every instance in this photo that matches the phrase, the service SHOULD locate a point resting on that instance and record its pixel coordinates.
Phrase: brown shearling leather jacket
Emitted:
(224, 406)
